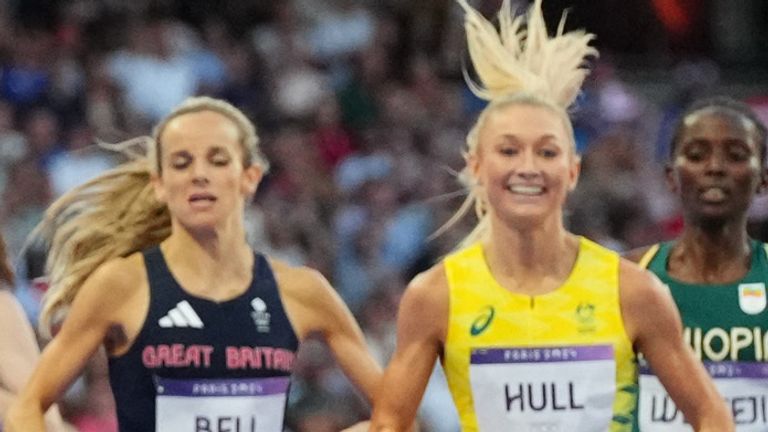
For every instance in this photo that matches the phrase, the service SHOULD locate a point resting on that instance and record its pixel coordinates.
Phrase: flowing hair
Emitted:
(518, 64)
(116, 214)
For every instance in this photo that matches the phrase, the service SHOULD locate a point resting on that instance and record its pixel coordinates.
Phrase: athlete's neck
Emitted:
(531, 261)
(217, 243)
(706, 256)
(215, 266)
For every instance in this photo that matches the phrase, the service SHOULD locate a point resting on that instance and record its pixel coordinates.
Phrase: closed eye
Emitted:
(180, 161)
(220, 160)
(218, 156)
(549, 153)
(509, 151)
(695, 151)
(738, 151)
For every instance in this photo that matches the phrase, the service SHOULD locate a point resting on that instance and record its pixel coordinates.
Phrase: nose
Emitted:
(716, 163)
(199, 173)
(527, 167)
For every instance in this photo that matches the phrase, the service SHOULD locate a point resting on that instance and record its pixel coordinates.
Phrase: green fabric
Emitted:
(710, 312)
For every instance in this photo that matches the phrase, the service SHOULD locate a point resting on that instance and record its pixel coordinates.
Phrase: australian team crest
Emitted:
(752, 299)
(585, 317)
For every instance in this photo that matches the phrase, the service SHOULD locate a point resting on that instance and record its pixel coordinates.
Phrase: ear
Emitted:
(763, 185)
(473, 165)
(574, 172)
(251, 179)
(157, 184)
(669, 176)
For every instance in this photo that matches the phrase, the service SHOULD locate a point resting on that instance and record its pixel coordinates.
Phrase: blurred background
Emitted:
(362, 111)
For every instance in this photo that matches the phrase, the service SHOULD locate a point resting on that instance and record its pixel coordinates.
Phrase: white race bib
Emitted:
(218, 405)
(544, 389)
(744, 385)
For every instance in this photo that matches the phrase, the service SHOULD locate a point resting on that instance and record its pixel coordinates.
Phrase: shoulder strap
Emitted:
(155, 264)
(648, 256)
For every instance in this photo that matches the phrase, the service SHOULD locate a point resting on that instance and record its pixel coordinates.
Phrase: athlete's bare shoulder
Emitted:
(427, 295)
(310, 301)
(636, 278)
(430, 283)
(643, 297)
(113, 300)
(118, 277)
(297, 282)
(114, 287)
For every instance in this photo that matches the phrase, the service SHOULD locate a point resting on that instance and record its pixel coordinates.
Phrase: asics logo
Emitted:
(481, 323)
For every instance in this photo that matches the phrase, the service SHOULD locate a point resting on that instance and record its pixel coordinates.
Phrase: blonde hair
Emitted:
(117, 214)
(520, 64)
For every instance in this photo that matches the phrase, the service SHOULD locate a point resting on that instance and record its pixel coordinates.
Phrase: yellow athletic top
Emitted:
(560, 361)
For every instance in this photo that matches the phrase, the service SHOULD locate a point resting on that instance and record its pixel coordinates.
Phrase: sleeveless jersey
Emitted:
(200, 365)
(727, 327)
(556, 362)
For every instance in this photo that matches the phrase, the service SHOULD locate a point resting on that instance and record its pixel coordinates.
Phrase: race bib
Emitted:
(744, 385)
(546, 389)
(219, 405)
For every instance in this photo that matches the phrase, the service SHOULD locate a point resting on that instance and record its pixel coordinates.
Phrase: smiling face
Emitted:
(716, 167)
(524, 163)
(203, 181)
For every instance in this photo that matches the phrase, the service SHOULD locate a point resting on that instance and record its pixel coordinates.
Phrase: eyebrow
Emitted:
(218, 149)
(726, 140)
(214, 149)
(179, 153)
(513, 137)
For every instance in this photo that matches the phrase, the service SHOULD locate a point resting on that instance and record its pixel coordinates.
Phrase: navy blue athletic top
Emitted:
(203, 366)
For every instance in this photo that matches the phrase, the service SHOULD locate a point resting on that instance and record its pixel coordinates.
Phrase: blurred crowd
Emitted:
(362, 111)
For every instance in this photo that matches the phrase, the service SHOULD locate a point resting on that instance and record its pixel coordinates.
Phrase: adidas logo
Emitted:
(181, 316)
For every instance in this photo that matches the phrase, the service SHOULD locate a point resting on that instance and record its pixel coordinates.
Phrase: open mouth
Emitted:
(713, 194)
(527, 190)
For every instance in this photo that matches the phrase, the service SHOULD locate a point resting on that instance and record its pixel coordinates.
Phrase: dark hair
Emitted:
(6, 274)
(722, 103)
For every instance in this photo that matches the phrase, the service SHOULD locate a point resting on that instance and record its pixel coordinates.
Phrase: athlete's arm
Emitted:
(18, 355)
(18, 348)
(653, 324)
(101, 298)
(421, 323)
(313, 307)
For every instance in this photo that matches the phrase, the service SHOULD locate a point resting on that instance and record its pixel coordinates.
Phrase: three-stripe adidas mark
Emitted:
(181, 316)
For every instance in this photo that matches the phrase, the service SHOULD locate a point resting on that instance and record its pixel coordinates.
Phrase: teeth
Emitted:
(526, 189)
(713, 194)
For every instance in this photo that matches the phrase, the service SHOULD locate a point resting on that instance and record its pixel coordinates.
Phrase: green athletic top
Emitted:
(727, 327)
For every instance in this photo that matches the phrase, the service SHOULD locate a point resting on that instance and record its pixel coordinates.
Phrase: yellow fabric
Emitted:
(585, 310)
(648, 256)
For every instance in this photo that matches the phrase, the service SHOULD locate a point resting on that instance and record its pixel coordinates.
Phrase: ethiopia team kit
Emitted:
(727, 327)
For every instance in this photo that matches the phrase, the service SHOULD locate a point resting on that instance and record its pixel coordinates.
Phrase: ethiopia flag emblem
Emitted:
(752, 297)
